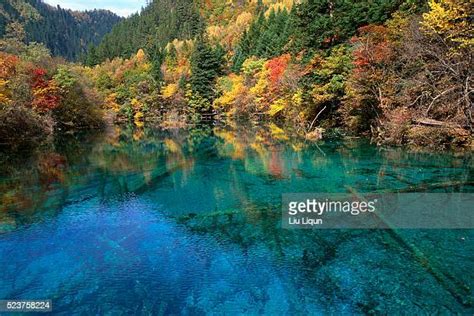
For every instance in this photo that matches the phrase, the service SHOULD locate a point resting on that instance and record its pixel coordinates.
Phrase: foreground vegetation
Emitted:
(40, 94)
(397, 71)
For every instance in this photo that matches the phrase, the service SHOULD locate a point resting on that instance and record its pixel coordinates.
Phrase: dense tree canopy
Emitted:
(159, 23)
(64, 32)
(399, 71)
(322, 23)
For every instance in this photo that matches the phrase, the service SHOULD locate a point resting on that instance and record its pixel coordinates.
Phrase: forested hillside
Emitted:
(160, 22)
(398, 71)
(65, 32)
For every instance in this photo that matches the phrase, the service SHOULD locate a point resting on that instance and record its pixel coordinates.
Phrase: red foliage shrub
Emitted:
(46, 93)
(47, 98)
(39, 79)
(277, 67)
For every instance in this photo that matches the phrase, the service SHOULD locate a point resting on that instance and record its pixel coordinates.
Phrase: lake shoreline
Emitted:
(20, 144)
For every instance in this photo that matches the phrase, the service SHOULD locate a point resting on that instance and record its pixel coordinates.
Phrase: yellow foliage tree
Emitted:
(277, 106)
(231, 87)
(138, 119)
(244, 19)
(141, 57)
(280, 6)
(136, 104)
(261, 86)
(450, 19)
(169, 90)
(4, 93)
(111, 102)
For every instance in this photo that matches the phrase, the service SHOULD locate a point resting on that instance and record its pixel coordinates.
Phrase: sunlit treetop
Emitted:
(452, 20)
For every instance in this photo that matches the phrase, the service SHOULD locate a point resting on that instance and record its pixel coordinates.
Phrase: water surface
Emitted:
(145, 221)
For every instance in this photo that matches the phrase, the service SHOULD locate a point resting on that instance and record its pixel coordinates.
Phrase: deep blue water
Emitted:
(188, 222)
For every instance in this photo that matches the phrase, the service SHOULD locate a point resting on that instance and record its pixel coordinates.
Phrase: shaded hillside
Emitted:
(65, 32)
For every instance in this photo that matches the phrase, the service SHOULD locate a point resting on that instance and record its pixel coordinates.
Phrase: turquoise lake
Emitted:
(188, 222)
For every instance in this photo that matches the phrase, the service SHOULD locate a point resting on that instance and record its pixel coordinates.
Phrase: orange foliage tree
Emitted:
(46, 93)
(7, 69)
(276, 68)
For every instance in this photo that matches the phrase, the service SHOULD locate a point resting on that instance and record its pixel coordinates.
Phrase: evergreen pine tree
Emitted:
(205, 67)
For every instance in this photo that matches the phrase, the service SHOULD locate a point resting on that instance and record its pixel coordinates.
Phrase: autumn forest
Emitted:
(397, 71)
(237, 157)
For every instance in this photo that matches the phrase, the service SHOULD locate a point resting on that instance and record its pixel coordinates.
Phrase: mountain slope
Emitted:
(160, 22)
(65, 32)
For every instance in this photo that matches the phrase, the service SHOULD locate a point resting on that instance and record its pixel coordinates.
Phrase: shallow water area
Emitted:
(146, 221)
